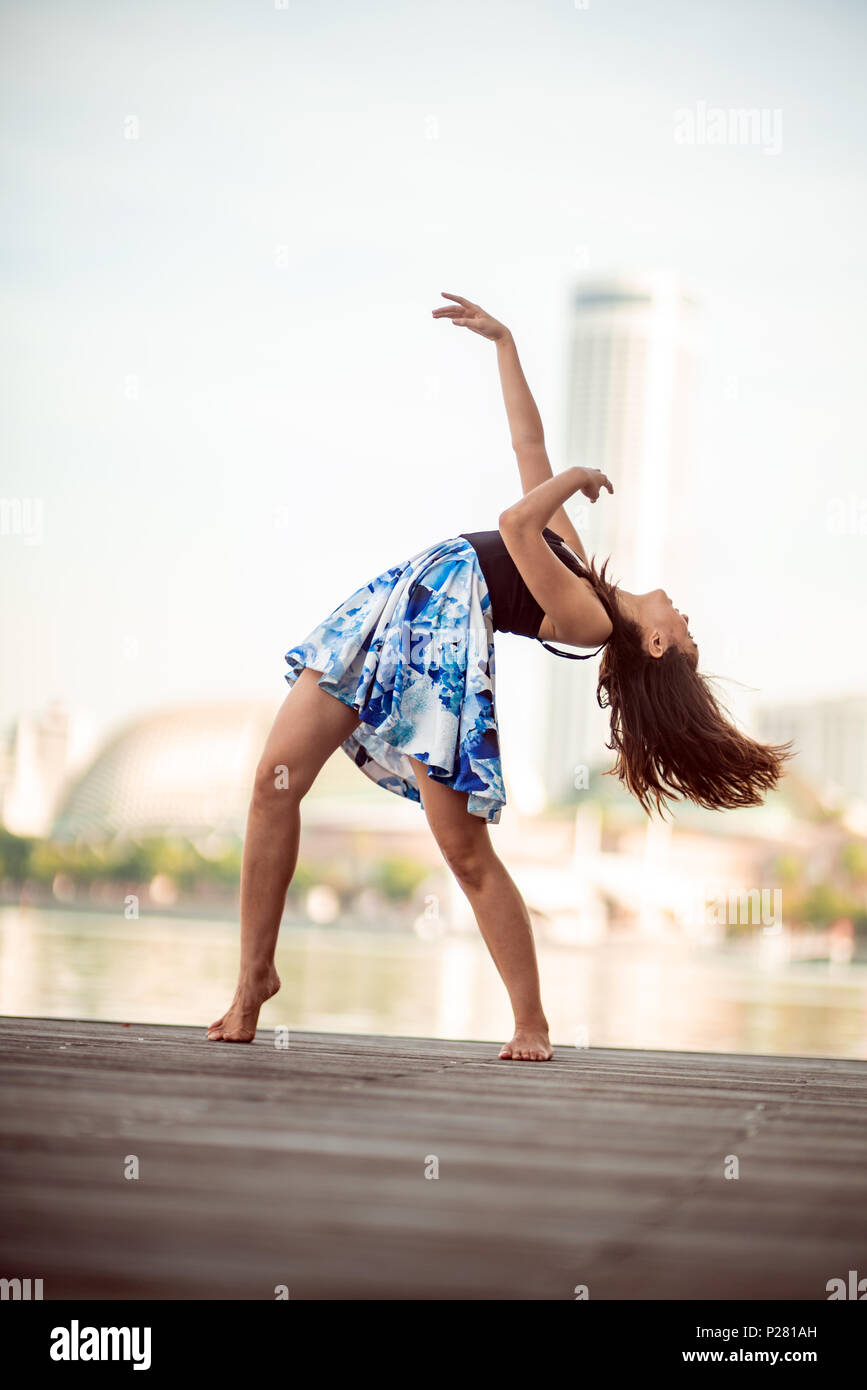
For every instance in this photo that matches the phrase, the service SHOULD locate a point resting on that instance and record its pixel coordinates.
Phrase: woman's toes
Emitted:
(238, 1035)
(515, 1051)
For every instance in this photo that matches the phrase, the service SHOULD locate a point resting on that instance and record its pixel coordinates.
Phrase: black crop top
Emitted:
(513, 607)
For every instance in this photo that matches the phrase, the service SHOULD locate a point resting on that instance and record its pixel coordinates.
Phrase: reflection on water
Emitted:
(172, 970)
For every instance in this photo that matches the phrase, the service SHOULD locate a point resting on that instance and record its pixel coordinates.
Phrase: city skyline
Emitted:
(228, 405)
(188, 770)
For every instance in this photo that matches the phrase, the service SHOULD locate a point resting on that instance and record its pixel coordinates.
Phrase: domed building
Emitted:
(184, 771)
(189, 771)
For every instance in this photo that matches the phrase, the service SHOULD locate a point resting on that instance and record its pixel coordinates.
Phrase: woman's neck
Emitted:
(629, 605)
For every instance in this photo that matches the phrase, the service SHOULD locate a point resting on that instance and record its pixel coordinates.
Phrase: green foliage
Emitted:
(128, 861)
(397, 877)
(123, 860)
(853, 861)
(788, 870)
(15, 853)
(841, 893)
(823, 904)
(304, 877)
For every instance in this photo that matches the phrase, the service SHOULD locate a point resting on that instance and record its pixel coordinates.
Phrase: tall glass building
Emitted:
(632, 364)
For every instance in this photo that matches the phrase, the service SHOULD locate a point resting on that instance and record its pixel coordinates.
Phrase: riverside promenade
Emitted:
(310, 1167)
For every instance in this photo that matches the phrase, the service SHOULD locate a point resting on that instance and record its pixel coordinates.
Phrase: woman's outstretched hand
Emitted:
(594, 483)
(465, 314)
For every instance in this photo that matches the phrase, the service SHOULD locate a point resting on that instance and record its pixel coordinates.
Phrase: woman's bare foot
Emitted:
(238, 1023)
(530, 1044)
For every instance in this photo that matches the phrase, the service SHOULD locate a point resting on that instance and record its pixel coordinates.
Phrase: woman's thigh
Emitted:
(463, 838)
(309, 726)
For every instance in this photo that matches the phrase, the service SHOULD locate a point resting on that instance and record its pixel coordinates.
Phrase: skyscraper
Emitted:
(830, 738)
(38, 755)
(631, 385)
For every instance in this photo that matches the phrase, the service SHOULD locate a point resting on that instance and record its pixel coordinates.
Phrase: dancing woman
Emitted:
(401, 676)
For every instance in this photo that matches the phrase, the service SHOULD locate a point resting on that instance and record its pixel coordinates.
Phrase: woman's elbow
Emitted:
(513, 518)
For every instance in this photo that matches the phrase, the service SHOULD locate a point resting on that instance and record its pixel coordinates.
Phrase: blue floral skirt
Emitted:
(413, 653)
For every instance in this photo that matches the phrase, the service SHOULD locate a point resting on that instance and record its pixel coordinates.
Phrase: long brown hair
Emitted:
(672, 737)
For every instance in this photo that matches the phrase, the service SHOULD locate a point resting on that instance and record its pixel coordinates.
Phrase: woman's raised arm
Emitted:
(525, 422)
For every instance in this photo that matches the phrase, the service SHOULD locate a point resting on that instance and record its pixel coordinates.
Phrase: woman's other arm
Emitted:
(576, 614)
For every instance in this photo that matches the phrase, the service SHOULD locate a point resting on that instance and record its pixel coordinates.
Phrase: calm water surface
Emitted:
(65, 964)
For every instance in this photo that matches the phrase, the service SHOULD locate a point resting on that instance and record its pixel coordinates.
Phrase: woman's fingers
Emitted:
(600, 481)
(460, 317)
(597, 482)
(463, 312)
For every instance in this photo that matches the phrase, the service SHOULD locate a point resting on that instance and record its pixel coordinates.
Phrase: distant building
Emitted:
(38, 755)
(830, 739)
(189, 771)
(631, 385)
(184, 771)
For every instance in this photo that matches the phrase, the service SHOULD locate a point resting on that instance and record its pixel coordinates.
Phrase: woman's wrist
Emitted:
(535, 509)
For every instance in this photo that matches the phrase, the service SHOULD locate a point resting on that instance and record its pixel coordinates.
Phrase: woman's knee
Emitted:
(471, 862)
(278, 784)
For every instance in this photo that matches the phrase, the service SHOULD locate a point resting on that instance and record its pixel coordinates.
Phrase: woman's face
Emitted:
(665, 626)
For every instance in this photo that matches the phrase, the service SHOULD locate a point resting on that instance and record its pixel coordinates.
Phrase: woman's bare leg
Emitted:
(498, 907)
(309, 726)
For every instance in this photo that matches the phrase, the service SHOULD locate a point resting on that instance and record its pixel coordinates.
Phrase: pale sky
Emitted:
(259, 266)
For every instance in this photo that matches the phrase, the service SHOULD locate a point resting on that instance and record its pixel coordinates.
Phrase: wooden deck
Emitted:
(305, 1167)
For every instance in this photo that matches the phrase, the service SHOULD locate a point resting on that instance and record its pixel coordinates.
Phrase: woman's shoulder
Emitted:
(565, 552)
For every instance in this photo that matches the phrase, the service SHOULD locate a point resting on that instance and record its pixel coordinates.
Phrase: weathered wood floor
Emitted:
(306, 1167)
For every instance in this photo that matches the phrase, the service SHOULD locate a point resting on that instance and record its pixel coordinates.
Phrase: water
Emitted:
(164, 969)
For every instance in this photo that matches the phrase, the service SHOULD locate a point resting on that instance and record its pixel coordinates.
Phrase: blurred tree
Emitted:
(398, 877)
(15, 854)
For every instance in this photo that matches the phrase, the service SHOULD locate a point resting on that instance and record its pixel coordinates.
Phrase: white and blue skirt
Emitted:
(413, 653)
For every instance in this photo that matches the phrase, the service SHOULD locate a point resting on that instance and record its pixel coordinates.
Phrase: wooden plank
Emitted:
(305, 1166)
